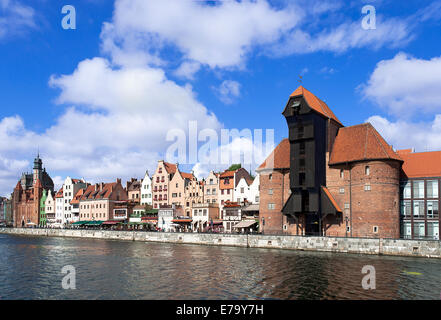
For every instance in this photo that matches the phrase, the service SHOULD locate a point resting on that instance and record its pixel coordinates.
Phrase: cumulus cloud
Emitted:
(15, 18)
(405, 85)
(117, 127)
(245, 149)
(187, 70)
(402, 134)
(344, 36)
(228, 91)
(218, 35)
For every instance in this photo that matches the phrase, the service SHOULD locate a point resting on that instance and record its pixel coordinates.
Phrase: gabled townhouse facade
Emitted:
(194, 194)
(99, 201)
(211, 188)
(228, 181)
(146, 190)
(160, 183)
(133, 188)
(59, 205)
(50, 209)
(70, 189)
(178, 185)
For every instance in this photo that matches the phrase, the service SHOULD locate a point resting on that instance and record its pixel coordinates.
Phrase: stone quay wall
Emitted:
(393, 247)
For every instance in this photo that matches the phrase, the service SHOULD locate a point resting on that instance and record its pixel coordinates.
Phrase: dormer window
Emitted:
(296, 106)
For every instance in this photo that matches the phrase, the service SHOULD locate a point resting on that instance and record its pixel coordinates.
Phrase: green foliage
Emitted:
(234, 167)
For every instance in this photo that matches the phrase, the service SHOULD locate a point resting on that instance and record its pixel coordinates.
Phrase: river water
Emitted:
(30, 268)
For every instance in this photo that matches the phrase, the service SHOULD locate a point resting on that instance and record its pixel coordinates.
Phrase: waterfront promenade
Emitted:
(393, 247)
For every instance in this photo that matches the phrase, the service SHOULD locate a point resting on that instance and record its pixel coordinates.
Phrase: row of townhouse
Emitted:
(77, 201)
(173, 187)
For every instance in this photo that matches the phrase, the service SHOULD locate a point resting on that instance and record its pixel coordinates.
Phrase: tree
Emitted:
(234, 167)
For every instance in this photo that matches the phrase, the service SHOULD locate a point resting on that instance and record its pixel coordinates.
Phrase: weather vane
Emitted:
(300, 79)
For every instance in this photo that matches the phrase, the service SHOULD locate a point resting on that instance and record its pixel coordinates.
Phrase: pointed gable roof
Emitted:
(359, 143)
(186, 175)
(315, 103)
(279, 158)
(170, 167)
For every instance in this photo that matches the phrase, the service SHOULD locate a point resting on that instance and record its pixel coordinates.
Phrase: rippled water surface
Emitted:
(30, 268)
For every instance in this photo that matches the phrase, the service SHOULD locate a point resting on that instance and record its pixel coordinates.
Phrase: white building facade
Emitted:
(146, 190)
(70, 189)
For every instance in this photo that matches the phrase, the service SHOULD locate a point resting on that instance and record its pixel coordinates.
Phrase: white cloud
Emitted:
(15, 18)
(402, 134)
(117, 128)
(187, 70)
(218, 35)
(404, 85)
(228, 91)
(345, 36)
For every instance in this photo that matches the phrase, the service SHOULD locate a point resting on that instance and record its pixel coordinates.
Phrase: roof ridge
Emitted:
(378, 140)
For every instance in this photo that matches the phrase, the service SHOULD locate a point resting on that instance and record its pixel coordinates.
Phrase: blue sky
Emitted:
(98, 101)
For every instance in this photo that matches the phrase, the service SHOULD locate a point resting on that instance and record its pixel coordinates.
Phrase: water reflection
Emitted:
(31, 269)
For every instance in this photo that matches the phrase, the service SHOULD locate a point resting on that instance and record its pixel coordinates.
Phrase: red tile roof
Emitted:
(360, 142)
(315, 103)
(77, 197)
(331, 198)
(59, 193)
(93, 192)
(227, 174)
(171, 168)
(186, 175)
(421, 164)
(279, 158)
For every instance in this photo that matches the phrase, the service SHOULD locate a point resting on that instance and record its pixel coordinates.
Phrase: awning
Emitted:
(110, 222)
(245, 224)
(78, 223)
(93, 223)
(182, 220)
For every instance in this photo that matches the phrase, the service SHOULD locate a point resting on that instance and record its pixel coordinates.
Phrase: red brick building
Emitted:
(27, 195)
(331, 180)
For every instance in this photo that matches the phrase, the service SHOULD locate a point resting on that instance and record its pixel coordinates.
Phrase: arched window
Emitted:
(367, 170)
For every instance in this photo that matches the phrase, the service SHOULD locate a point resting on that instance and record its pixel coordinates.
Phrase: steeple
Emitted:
(38, 167)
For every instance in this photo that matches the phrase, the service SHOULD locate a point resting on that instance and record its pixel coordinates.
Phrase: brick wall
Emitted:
(279, 183)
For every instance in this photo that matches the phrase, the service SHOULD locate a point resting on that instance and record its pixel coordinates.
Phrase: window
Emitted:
(342, 173)
(271, 206)
(405, 208)
(302, 147)
(418, 230)
(348, 229)
(405, 190)
(375, 229)
(346, 205)
(341, 190)
(242, 190)
(302, 163)
(432, 209)
(270, 191)
(418, 209)
(367, 187)
(433, 230)
(367, 170)
(301, 131)
(270, 177)
(418, 189)
(432, 188)
(302, 178)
